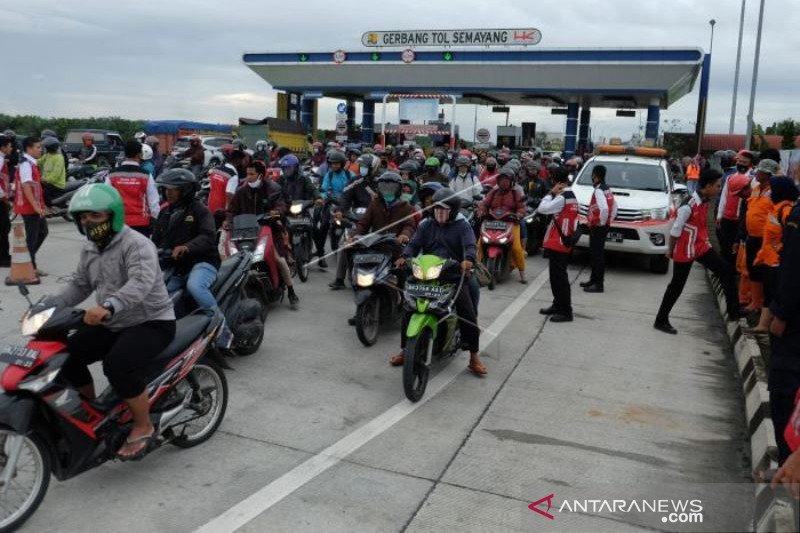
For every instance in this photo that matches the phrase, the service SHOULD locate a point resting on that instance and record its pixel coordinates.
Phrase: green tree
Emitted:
(788, 130)
(24, 125)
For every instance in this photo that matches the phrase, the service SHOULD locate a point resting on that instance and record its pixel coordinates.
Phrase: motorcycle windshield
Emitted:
(245, 227)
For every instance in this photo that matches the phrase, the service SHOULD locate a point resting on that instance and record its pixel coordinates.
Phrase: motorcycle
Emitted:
(496, 237)
(300, 229)
(378, 294)
(254, 234)
(537, 227)
(47, 427)
(59, 206)
(432, 333)
(244, 315)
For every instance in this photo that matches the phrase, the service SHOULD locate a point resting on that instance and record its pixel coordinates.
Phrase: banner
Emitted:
(478, 37)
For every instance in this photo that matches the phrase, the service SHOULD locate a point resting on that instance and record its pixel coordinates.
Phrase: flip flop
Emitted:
(142, 451)
(477, 369)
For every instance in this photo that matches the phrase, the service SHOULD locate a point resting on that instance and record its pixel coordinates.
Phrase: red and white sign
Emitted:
(483, 135)
(408, 55)
(339, 56)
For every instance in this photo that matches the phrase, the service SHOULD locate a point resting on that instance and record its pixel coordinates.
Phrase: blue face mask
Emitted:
(389, 198)
(363, 171)
(407, 197)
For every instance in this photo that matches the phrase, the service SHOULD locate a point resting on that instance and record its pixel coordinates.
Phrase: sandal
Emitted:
(141, 452)
(478, 369)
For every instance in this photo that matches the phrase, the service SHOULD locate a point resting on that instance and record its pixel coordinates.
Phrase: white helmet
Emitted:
(261, 145)
(147, 152)
(140, 136)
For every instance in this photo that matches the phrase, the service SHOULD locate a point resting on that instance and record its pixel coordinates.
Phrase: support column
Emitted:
(351, 118)
(307, 113)
(653, 117)
(571, 135)
(583, 130)
(368, 121)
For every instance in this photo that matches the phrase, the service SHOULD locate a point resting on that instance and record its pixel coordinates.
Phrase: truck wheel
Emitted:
(659, 264)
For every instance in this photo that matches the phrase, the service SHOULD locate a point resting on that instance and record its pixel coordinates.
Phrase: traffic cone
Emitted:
(22, 271)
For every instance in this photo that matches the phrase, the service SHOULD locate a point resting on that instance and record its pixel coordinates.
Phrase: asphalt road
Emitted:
(318, 435)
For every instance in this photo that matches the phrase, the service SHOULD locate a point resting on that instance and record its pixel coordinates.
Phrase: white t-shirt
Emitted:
(26, 170)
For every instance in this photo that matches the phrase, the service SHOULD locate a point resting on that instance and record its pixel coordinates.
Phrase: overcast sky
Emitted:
(168, 59)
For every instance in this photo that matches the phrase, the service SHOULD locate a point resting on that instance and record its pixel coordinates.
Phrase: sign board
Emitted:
(483, 135)
(476, 37)
(408, 55)
(339, 56)
(341, 127)
(500, 109)
(341, 107)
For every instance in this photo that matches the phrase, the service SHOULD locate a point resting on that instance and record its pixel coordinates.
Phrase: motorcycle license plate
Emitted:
(495, 224)
(428, 292)
(614, 236)
(368, 258)
(304, 221)
(19, 356)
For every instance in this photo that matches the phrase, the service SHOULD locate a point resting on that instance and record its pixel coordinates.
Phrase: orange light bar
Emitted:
(611, 149)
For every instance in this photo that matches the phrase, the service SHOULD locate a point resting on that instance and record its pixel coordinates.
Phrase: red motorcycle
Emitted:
(255, 234)
(47, 427)
(496, 236)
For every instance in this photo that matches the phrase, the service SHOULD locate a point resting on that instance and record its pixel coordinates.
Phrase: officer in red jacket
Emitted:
(138, 190)
(602, 210)
(29, 198)
(688, 242)
(563, 206)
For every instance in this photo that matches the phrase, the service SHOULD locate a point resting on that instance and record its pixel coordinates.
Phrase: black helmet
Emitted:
(409, 166)
(181, 178)
(445, 197)
(48, 133)
(335, 156)
(390, 182)
(390, 177)
(51, 144)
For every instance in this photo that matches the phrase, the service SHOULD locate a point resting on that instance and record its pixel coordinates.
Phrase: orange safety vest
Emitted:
(769, 254)
(759, 206)
(693, 172)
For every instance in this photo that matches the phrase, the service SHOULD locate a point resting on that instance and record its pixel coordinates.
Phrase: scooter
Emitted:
(496, 237)
(432, 333)
(537, 227)
(244, 314)
(254, 234)
(378, 294)
(300, 229)
(47, 427)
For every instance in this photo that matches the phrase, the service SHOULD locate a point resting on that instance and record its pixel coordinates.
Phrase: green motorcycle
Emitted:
(432, 332)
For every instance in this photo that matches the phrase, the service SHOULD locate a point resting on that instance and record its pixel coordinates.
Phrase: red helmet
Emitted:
(465, 152)
(87, 137)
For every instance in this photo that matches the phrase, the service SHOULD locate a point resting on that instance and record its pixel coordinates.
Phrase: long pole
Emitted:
(475, 126)
(736, 72)
(749, 133)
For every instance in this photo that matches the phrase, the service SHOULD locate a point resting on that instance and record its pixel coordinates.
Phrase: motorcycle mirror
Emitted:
(23, 290)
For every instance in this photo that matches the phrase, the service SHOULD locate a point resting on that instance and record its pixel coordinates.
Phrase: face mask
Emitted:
(462, 174)
(742, 168)
(389, 197)
(99, 233)
(442, 216)
(254, 184)
(363, 171)
(407, 197)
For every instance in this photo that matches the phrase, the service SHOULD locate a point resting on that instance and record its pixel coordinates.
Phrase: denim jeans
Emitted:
(198, 283)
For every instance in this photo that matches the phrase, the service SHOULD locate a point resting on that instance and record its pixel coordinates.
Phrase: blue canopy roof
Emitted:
(172, 126)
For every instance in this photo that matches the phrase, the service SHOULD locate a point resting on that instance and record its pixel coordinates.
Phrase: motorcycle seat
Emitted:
(225, 270)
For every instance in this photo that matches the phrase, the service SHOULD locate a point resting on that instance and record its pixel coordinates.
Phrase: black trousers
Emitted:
(35, 234)
(559, 282)
(5, 227)
(680, 273)
(467, 320)
(728, 236)
(125, 354)
(597, 247)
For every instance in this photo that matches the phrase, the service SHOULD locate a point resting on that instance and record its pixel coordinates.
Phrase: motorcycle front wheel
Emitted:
(415, 371)
(491, 266)
(368, 320)
(29, 478)
(207, 406)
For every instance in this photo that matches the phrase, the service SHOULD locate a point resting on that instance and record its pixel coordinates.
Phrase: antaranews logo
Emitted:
(671, 511)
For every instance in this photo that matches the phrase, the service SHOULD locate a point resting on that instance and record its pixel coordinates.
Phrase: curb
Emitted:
(771, 513)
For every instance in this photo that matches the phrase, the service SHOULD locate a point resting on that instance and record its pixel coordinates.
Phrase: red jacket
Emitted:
(594, 209)
(693, 240)
(567, 220)
(131, 182)
(21, 204)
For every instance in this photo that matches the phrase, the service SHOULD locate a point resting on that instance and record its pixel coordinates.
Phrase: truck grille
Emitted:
(623, 215)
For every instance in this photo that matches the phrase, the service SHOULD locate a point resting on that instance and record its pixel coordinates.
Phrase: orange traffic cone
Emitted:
(22, 271)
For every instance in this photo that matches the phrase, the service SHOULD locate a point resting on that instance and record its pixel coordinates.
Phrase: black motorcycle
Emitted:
(300, 226)
(378, 288)
(536, 225)
(243, 315)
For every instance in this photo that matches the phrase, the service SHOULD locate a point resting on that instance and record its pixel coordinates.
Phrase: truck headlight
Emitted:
(656, 214)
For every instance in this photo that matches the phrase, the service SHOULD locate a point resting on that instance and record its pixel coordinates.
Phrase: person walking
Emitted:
(602, 210)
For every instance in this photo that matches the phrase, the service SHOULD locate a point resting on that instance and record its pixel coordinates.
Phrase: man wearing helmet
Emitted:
(140, 136)
(54, 172)
(186, 228)
(488, 177)
(334, 182)
(88, 153)
(432, 172)
(507, 197)
(195, 154)
(138, 190)
(449, 236)
(464, 182)
(133, 320)
(262, 152)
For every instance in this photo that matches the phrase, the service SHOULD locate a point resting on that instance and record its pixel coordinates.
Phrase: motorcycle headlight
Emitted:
(417, 271)
(656, 214)
(433, 272)
(365, 279)
(32, 323)
(503, 240)
(486, 240)
(260, 247)
(296, 209)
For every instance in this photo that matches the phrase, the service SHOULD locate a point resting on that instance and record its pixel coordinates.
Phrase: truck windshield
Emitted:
(626, 175)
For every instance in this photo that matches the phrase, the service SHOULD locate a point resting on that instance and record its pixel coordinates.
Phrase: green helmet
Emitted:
(432, 162)
(101, 198)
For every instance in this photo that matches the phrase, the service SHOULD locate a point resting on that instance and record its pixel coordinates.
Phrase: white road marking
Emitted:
(252, 506)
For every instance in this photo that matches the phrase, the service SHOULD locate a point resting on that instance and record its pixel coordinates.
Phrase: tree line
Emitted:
(25, 125)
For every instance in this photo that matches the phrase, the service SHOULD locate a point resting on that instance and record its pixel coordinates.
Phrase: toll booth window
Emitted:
(293, 115)
(628, 176)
